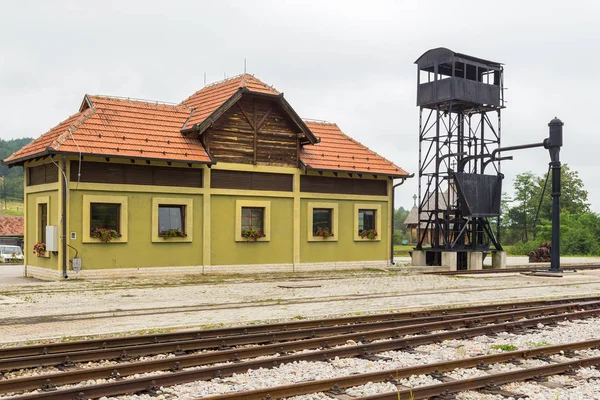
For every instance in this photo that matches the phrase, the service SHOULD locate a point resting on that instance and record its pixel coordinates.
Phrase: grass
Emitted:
(543, 343)
(505, 347)
(12, 208)
(401, 250)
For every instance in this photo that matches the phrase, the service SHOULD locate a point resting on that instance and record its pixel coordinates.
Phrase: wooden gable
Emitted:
(255, 130)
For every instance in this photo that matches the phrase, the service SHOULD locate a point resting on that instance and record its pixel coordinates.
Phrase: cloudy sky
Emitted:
(349, 62)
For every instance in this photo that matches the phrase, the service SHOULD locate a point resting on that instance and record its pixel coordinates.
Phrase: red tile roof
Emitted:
(121, 128)
(206, 100)
(12, 226)
(113, 127)
(339, 152)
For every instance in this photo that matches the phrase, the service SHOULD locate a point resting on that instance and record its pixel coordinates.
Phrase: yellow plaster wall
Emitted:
(139, 251)
(31, 228)
(346, 248)
(225, 250)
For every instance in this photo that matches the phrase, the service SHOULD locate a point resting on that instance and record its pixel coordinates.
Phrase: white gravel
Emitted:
(584, 386)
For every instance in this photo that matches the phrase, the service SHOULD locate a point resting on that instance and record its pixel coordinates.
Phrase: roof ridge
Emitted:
(71, 128)
(39, 138)
(209, 86)
(243, 83)
(138, 100)
(319, 121)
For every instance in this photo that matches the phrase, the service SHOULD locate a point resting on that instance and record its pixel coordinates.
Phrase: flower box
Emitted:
(323, 232)
(253, 234)
(39, 249)
(104, 234)
(368, 234)
(172, 233)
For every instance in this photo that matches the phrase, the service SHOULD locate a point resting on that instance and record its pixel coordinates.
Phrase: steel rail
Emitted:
(53, 348)
(395, 375)
(371, 331)
(509, 270)
(176, 363)
(457, 386)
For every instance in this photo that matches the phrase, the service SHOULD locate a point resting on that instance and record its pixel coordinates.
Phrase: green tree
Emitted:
(530, 212)
(11, 179)
(519, 218)
(400, 231)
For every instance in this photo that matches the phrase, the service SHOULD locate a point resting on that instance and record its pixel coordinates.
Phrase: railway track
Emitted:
(413, 316)
(281, 343)
(509, 270)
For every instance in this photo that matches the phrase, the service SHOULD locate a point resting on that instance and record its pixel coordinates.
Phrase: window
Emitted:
(253, 219)
(173, 213)
(42, 221)
(104, 211)
(105, 215)
(171, 217)
(367, 217)
(321, 216)
(366, 220)
(322, 220)
(254, 215)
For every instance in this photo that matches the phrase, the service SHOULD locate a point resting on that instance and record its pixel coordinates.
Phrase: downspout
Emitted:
(403, 179)
(64, 218)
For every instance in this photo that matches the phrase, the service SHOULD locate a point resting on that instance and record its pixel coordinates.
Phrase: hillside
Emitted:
(11, 179)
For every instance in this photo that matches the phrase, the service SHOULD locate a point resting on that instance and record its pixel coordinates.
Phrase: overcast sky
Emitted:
(341, 61)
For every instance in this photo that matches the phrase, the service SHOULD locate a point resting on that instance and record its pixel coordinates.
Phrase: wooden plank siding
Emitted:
(46, 173)
(221, 179)
(99, 172)
(324, 184)
(254, 131)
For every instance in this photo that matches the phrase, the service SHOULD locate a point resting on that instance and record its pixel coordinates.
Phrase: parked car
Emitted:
(11, 254)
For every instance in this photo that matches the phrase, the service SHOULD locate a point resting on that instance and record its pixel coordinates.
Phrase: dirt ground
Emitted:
(34, 310)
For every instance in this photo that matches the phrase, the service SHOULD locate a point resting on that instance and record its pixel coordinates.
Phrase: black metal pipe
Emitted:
(519, 147)
(64, 217)
(393, 212)
(553, 144)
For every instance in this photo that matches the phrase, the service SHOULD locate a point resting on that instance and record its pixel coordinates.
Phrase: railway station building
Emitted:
(229, 180)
